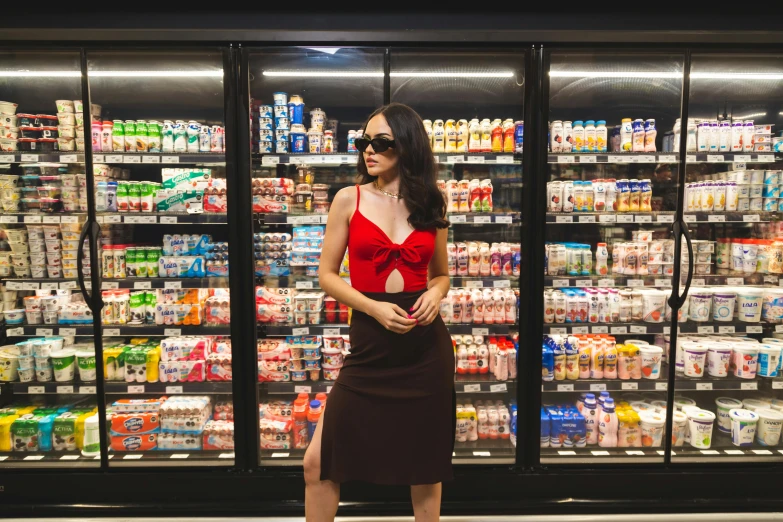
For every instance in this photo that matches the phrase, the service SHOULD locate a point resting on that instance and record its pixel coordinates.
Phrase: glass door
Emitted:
(48, 404)
(728, 385)
(611, 192)
(160, 194)
(473, 102)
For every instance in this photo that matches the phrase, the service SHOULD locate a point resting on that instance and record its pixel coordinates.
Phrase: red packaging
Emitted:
(129, 423)
(146, 442)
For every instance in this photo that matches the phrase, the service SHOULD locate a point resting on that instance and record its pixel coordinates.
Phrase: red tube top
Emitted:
(372, 256)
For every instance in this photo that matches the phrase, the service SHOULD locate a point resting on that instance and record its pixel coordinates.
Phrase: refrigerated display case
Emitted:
(302, 333)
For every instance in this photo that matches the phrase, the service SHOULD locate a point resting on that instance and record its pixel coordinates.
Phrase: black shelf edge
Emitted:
(730, 157)
(612, 219)
(464, 218)
(342, 329)
(136, 388)
(160, 158)
(350, 158)
(462, 383)
(640, 328)
(162, 218)
(613, 157)
(171, 458)
(745, 217)
(114, 330)
(47, 459)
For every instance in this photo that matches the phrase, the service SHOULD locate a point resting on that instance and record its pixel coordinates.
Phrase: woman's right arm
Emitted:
(389, 315)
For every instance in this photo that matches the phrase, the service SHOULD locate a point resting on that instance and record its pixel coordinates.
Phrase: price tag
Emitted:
(697, 282)
(751, 218)
(504, 159)
(735, 281)
(566, 452)
(331, 331)
(587, 159)
(503, 219)
(584, 282)
(65, 389)
(13, 332)
(734, 452)
(725, 329)
(749, 386)
(777, 385)
(661, 386)
(559, 283)
(598, 387)
(29, 157)
(88, 285)
(173, 389)
(131, 159)
(703, 385)
(665, 218)
(34, 457)
(470, 388)
(482, 454)
(456, 159)
(32, 219)
(7, 158)
(67, 331)
(136, 389)
(580, 329)
(754, 329)
(761, 452)
(607, 218)
(663, 282)
(558, 331)
(68, 158)
(172, 332)
(600, 453)
(173, 159)
(479, 331)
(766, 157)
(587, 219)
(565, 387)
(715, 158)
(630, 386)
(114, 158)
(111, 332)
(179, 456)
(44, 332)
(112, 219)
(106, 285)
(741, 158)
(168, 220)
(779, 327)
(615, 159)
(625, 218)
(606, 282)
(36, 389)
(710, 452)
(475, 159)
(13, 285)
(70, 457)
(147, 220)
(150, 159)
(501, 283)
(706, 329)
(495, 388)
(564, 219)
(300, 331)
(172, 284)
(482, 219)
(87, 390)
(638, 329)
(615, 330)
(643, 218)
(50, 286)
(269, 160)
(132, 456)
(303, 389)
(304, 284)
(9, 219)
(474, 284)
(716, 219)
(635, 282)
(600, 329)
(458, 218)
(689, 218)
(142, 285)
(565, 159)
(771, 279)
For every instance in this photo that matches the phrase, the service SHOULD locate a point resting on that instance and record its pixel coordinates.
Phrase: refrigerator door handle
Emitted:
(92, 229)
(677, 300)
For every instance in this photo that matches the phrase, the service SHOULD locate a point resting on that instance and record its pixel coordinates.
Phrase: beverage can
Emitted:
(142, 140)
(130, 135)
(153, 137)
(204, 139)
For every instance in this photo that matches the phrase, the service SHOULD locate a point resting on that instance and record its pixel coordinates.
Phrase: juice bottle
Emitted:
(572, 359)
(590, 142)
(589, 412)
(547, 361)
(600, 136)
(301, 430)
(584, 358)
(601, 259)
(320, 397)
(451, 136)
(560, 362)
(597, 359)
(634, 361)
(313, 415)
(610, 361)
(607, 425)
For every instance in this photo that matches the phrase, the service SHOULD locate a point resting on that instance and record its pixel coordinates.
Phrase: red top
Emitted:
(373, 256)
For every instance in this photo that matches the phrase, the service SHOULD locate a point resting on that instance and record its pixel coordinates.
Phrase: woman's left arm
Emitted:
(427, 305)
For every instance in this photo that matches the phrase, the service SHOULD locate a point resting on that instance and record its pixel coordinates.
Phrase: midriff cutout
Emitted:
(395, 283)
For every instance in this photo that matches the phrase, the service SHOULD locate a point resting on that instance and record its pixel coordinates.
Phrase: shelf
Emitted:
(302, 282)
(597, 454)
(609, 218)
(599, 385)
(13, 283)
(47, 459)
(162, 218)
(125, 388)
(53, 388)
(142, 283)
(170, 458)
(51, 157)
(342, 329)
(655, 328)
(484, 451)
(345, 158)
(722, 450)
(475, 218)
(165, 158)
(40, 217)
(729, 157)
(45, 330)
(755, 216)
(608, 281)
(735, 279)
(463, 384)
(707, 383)
(723, 327)
(613, 157)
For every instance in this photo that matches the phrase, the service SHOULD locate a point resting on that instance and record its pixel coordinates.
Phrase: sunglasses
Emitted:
(378, 144)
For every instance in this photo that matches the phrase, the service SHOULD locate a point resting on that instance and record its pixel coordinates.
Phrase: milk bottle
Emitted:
(601, 259)
(736, 135)
(725, 136)
(590, 136)
(589, 412)
(483, 421)
(438, 136)
(607, 426)
(504, 422)
(472, 417)
(494, 422)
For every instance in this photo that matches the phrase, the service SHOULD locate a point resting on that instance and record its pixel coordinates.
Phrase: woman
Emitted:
(390, 417)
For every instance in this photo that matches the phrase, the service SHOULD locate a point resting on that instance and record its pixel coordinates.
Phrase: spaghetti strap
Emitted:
(358, 195)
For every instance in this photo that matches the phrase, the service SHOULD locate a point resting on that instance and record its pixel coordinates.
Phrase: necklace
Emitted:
(395, 195)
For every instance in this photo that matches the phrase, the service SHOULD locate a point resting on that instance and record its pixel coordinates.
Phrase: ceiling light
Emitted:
(746, 116)
(211, 73)
(497, 74)
(325, 74)
(737, 76)
(615, 74)
(40, 74)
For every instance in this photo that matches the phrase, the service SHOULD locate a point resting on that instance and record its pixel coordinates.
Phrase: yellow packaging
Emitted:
(80, 428)
(113, 364)
(153, 361)
(135, 341)
(5, 431)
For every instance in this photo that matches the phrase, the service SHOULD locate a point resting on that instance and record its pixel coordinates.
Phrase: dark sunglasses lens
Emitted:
(362, 144)
(380, 145)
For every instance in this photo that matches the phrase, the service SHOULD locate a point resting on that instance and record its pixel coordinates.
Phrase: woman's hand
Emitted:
(392, 317)
(427, 306)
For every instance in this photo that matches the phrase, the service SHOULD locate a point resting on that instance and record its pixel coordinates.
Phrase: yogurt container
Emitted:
(679, 426)
(9, 363)
(755, 404)
(651, 361)
(26, 374)
(64, 364)
(718, 359)
(743, 426)
(749, 304)
(769, 360)
(700, 428)
(694, 357)
(768, 427)
(724, 406)
(700, 305)
(744, 359)
(681, 402)
(653, 425)
(85, 361)
(723, 305)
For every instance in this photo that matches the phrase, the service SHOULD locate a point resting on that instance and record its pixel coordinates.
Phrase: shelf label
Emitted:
(173, 389)
(606, 282)
(69, 219)
(635, 282)
(734, 452)
(779, 327)
(300, 331)
(634, 452)
(697, 282)
(328, 389)
(29, 157)
(703, 385)
(13, 285)
(580, 329)
(479, 331)
(470, 388)
(761, 452)
(270, 160)
(112, 219)
(68, 158)
(777, 385)
(32, 219)
(598, 387)
(600, 453)
(458, 218)
(665, 218)
(131, 159)
(754, 329)
(615, 159)
(172, 284)
(482, 454)
(168, 220)
(150, 159)
(725, 329)
(642, 218)
(607, 218)
(751, 218)
(565, 387)
(179, 455)
(482, 219)
(7, 158)
(735, 281)
(475, 159)
(587, 159)
(558, 331)
(44, 332)
(12, 332)
(114, 158)
(566, 452)
(504, 159)
(87, 390)
(645, 159)
(67, 331)
(34, 457)
(716, 219)
(132, 456)
(280, 455)
(614, 330)
(749, 386)
(771, 279)
(50, 286)
(172, 332)
(564, 219)
(495, 388)
(457, 159)
(107, 285)
(474, 284)
(111, 332)
(304, 284)
(625, 218)
(559, 283)
(740, 158)
(689, 218)
(501, 283)
(136, 389)
(303, 389)
(706, 329)
(766, 157)
(69, 285)
(638, 329)
(503, 219)
(331, 331)
(70, 457)
(50, 219)
(710, 452)
(630, 386)
(600, 329)
(663, 282)
(170, 159)
(662, 386)
(36, 389)
(565, 159)
(584, 282)
(587, 219)
(715, 158)
(142, 285)
(65, 389)
(9, 219)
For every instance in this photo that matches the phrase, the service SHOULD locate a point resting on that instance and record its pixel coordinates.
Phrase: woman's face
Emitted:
(379, 163)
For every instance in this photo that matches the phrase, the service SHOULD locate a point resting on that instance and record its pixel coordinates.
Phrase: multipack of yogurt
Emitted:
(182, 371)
(192, 178)
(178, 200)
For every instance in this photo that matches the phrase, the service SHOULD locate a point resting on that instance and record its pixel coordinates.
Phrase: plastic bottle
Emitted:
(724, 143)
(462, 359)
(504, 423)
(501, 363)
(610, 361)
(584, 358)
(560, 361)
(301, 428)
(579, 136)
(547, 361)
(600, 136)
(590, 144)
(483, 358)
(486, 135)
(438, 136)
(589, 412)
(492, 347)
(597, 360)
(572, 358)
(319, 397)
(649, 135)
(472, 416)
(607, 426)
(313, 414)
(483, 421)
(92, 438)
(601, 260)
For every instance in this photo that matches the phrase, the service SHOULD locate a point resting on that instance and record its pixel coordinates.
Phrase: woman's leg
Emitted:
(426, 502)
(321, 496)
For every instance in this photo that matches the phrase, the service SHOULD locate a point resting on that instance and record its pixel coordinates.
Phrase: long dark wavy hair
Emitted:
(418, 172)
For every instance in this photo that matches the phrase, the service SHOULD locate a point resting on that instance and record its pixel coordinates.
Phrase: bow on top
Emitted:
(388, 253)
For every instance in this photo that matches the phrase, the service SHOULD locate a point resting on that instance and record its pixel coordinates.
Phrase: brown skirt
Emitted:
(390, 417)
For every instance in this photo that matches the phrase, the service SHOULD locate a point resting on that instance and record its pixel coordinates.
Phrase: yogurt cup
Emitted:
(331, 374)
(64, 364)
(768, 427)
(700, 305)
(43, 374)
(749, 304)
(718, 359)
(744, 360)
(700, 428)
(652, 425)
(9, 363)
(769, 360)
(26, 374)
(679, 426)
(653, 306)
(724, 406)
(755, 404)
(694, 357)
(15, 316)
(743, 426)
(682, 402)
(34, 317)
(298, 375)
(651, 361)
(723, 304)
(641, 407)
(85, 361)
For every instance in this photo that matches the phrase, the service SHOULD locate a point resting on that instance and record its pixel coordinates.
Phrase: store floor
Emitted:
(709, 517)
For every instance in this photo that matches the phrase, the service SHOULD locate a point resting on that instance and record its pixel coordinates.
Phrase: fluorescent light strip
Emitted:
(746, 116)
(499, 74)
(212, 73)
(614, 74)
(325, 74)
(738, 76)
(40, 74)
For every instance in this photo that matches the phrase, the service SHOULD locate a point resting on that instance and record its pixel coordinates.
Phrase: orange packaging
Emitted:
(130, 423)
(146, 442)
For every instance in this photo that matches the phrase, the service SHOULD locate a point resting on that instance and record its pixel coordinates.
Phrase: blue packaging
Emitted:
(296, 113)
(281, 147)
(574, 427)
(281, 111)
(513, 412)
(298, 141)
(281, 98)
(265, 123)
(546, 428)
(266, 147)
(282, 123)
(557, 434)
(265, 111)
(266, 134)
(547, 361)
(45, 427)
(519, 136)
